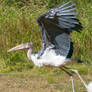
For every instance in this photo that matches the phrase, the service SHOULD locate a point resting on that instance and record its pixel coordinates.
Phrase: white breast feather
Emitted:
(48, 58)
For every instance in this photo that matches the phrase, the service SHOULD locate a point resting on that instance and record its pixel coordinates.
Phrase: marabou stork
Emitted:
(57, 46)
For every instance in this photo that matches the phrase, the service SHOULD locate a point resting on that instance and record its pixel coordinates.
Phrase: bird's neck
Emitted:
(29, 53)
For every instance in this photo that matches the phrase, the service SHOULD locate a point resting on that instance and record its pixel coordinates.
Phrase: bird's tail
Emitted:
(72, 60)
(77, 60)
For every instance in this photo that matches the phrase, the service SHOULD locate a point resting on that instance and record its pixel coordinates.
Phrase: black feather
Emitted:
(70, 51)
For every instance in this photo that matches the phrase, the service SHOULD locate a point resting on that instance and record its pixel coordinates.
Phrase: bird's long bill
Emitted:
(19, 47)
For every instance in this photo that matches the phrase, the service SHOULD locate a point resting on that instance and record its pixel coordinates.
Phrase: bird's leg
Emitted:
(76, 71)
(73, 83)
(80, 77)
(70, 74)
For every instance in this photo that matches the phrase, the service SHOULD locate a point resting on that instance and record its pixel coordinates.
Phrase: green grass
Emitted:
(18, 25)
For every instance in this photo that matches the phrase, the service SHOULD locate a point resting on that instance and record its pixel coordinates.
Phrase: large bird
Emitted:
(57, 46)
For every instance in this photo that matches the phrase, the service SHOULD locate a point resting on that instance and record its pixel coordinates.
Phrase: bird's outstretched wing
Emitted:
(56, 26)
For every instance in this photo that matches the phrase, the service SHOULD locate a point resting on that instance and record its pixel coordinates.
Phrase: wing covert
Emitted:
(56, 26)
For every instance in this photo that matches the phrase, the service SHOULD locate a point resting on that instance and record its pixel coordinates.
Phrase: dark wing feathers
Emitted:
(70, 50)
(56, 26)
(63, 42)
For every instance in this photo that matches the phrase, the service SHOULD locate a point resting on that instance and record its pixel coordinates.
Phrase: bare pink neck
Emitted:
(29, 53)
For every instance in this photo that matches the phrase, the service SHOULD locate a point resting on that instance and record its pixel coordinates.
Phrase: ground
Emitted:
(28, 82)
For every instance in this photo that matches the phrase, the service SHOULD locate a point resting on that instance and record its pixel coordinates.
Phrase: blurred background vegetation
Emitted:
(18, 25)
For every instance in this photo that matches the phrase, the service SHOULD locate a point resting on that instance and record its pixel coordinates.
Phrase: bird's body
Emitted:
(57, 46)
(49, 58)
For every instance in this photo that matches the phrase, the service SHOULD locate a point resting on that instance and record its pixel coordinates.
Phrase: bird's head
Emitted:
(24, 46)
